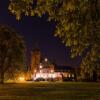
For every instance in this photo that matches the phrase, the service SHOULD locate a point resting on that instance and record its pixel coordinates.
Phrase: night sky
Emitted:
(37, 31)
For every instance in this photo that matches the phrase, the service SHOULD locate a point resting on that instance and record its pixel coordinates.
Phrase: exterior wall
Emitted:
(47, 70)
(47, 75)
(50, 74)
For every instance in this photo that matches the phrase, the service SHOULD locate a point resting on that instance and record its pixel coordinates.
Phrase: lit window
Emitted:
(72, 75)
(35, 71)
(46, 59)
(69, 75)
(40, 71)
(52, 71)
(41, 66)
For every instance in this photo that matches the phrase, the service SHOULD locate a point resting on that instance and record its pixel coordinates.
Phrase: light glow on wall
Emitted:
(21, 79)
(41, 66)
(46, 75)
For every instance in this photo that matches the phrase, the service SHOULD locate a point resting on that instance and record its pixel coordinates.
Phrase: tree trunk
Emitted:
(94, 76)
(1, 78)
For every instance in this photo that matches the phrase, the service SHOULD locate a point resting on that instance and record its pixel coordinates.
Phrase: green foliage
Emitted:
(12, 50)
(19, 7)
(78, 24)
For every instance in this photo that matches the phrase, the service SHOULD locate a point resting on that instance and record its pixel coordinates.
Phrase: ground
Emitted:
(50, 91)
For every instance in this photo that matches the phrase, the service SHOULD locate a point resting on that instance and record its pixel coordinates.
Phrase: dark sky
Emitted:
(38, 31)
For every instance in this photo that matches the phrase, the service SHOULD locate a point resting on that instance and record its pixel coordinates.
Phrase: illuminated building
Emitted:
(45, 70)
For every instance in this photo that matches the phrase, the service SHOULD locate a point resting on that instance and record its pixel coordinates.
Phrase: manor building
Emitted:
(44, 69)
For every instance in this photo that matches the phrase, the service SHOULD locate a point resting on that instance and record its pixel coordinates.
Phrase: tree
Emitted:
(11, 51)
(77, 24)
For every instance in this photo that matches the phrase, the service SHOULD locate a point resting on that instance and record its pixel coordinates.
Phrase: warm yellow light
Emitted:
(52, 71)
(21, 78)
(40, 71)
(41, 66)
(69, 75)
(35, 70)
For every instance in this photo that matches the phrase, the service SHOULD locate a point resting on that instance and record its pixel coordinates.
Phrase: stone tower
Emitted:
(35, 60)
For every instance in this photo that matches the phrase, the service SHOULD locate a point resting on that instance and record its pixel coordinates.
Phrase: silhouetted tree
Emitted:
(11, 51)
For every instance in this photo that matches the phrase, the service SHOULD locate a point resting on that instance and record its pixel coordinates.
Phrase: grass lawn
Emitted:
(50, 91)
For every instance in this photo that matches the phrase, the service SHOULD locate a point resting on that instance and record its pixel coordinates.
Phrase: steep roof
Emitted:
(64, 68)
